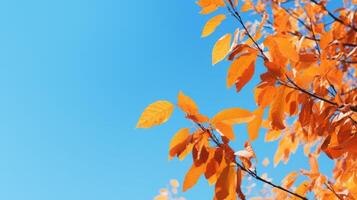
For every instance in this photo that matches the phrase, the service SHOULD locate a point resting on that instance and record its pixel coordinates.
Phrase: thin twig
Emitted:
(333, 191)
(250, 172)
(236, 15)
(333, 16)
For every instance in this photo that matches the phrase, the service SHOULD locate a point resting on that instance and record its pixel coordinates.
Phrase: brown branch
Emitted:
(333, 16)
(236, 15)
(250, 172)
(297, 87)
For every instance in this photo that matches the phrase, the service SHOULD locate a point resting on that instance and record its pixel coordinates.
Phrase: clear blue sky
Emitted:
(75, 76)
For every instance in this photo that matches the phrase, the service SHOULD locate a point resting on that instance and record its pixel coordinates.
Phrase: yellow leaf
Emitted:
(213, 23)
(221, 48)
(209, 9)
(233, 116)
(248, 5)
(192, 176)
(272, 135)
(302, 189)
(187, 104)
(241, 70)
(254, 125)
(155, 114)
(225, 129)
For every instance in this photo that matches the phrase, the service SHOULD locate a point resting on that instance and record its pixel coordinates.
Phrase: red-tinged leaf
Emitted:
(254, 125)
(276, 114)
(241, 71)
(179, 142)
(233, 116)
(192, 176)
(313, 163)
(289, 180)
(239, 184)
(226, 183)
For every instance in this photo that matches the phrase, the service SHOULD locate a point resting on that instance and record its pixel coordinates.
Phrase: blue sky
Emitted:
(74, 79)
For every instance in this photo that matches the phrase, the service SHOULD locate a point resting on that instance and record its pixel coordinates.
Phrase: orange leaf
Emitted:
(179, 142)
(226, 184)
(239, 183)
(286, 48)
(241, 71)
(313, 164)
(254, 125)
(221, 48)
(248, 5)
(192, 176)
(289, 180)
(272, 135)
(213, 23)
(187, 104)
(233, 116)
(209, 9)
(155, 114)
(276, 114)
(302, 189)
(225, 130)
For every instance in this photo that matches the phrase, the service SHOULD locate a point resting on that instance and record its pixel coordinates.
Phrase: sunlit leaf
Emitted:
(221, 48)
(155, 114)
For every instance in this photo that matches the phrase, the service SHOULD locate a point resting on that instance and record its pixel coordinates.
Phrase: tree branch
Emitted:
(333, 16)
(250, 172)
(236, 15)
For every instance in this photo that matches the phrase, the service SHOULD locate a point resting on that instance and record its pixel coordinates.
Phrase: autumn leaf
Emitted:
(179, 142)
(241, 71)
(186, 103)
(254, 125)
(192, 176)
(225, 130)
(155, 114)
(276, 113)
(213, 23)
(226, 184)
(233, 116)
(221, 48)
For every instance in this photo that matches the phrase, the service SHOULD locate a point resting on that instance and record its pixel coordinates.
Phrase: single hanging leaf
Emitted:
(241, 71)
(192, 176)
(155, 114)
(254, 125)
(213, 23)
(276, 113)
(233, 116)
(221, 48)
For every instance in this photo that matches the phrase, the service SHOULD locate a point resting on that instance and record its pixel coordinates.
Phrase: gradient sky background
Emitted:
(75, 76)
